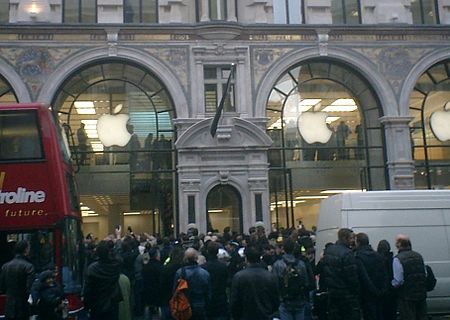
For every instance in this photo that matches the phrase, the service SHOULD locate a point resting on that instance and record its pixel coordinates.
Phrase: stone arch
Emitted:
(168, 79)
(350, 58)
(419, 68)
(16, 82)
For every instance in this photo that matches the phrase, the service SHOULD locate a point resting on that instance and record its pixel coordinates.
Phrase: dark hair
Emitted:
(289, 246)
(383, 247)
(104, 250)
(176, 255)
(362, 239)
(344, 234)
(22, 246)
(253, 254)
(405, 243)
(212, 249)
(153, 252)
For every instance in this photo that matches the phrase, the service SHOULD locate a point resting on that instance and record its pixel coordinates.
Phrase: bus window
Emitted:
(62, 138)
(41, 247)
(19, 136)
(72, 255)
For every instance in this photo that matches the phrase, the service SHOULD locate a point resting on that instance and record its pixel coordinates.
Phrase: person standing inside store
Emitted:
(342, 133)
(16, 279)
(410, 280)
(82, 143)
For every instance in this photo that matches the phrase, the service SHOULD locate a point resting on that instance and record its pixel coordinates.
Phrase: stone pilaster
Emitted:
(398, 143)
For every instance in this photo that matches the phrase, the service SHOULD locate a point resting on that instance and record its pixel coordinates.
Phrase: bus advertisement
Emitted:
(38, 197)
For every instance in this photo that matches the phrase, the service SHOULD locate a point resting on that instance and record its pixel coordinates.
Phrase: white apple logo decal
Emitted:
(440, 123)
(313, 127)
(112, 128)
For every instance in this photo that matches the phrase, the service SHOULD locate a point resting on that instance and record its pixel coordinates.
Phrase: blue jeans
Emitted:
(295, 314)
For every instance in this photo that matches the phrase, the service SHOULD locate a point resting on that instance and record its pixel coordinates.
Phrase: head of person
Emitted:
(347, 237)
(383, 247)
(289, 246)
(362, 239)
(190, 256)
(22, 248)
(402, 242)
(212, 249)
(252, 254)
(153, 253)
(105, 250)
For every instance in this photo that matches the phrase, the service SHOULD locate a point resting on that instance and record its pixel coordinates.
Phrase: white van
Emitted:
(423, 215)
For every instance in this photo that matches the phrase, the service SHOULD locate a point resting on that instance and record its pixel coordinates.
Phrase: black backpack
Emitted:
(294, 280)
(431, 279)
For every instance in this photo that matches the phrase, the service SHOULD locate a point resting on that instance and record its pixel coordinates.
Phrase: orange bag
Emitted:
(180, 308)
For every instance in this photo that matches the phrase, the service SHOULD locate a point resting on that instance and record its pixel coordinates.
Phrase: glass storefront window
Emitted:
(324, 123)
(119, 118)
(224, 209)
(430, 137)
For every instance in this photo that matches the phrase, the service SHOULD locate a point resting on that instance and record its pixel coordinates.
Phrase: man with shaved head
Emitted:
(410, 280)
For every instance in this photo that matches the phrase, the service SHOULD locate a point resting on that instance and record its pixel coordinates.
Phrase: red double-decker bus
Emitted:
(38, 196)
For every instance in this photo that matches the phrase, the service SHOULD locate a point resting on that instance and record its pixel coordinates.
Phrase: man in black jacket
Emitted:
(101, 289)
(217, 308)
(410, 279)
(15, 281)
(254, 290)
(373, 277)
(340, 272)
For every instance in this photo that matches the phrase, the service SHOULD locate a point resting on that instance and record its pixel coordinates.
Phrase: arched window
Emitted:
(7, 94)
(119, 118)
(346, 11)
(224, 209)
(327, 138)
(430, 134)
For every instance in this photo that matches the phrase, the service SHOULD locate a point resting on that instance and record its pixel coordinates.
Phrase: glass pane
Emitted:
(6, 93)
(71, 11)
(429, 11)
(19, 136)
(337, 11)
(295, 14)
(279, 12)
(352, 11)
(224, 209)
(89, 11)
(210, 73)
(210, 97)
(217, 9)
(4, 14)
(131, 11)
(72, 255)
(150, 11)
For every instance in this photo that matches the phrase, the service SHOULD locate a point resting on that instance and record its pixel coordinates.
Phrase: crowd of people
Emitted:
(231, 276)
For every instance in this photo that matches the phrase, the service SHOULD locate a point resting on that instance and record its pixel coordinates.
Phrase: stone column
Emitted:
(231, 8)
(205, 11)
(399, 152)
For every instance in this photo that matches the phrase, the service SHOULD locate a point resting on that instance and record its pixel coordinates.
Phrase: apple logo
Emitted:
(112, 128)
(313, 127)
(440, 123)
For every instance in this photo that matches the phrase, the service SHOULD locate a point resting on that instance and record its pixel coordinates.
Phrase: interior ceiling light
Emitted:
(84, 107)
(342, 191)
(311, 197)
(307, 104)
(341, 105)
(331, 119)
(131, 213)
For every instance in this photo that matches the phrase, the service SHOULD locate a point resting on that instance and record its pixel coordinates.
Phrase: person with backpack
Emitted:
(293, 283)
(198, 282)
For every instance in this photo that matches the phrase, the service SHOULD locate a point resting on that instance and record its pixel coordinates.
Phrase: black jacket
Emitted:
(218, 273)
(372, 271)
(254, 294)
(340, 270)
(15, 281)
(151, 275)
(101, 289)
(414, 285)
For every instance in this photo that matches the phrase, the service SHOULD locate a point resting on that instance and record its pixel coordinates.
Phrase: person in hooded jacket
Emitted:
(51, 302)
(373, 278)
(101, 288)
